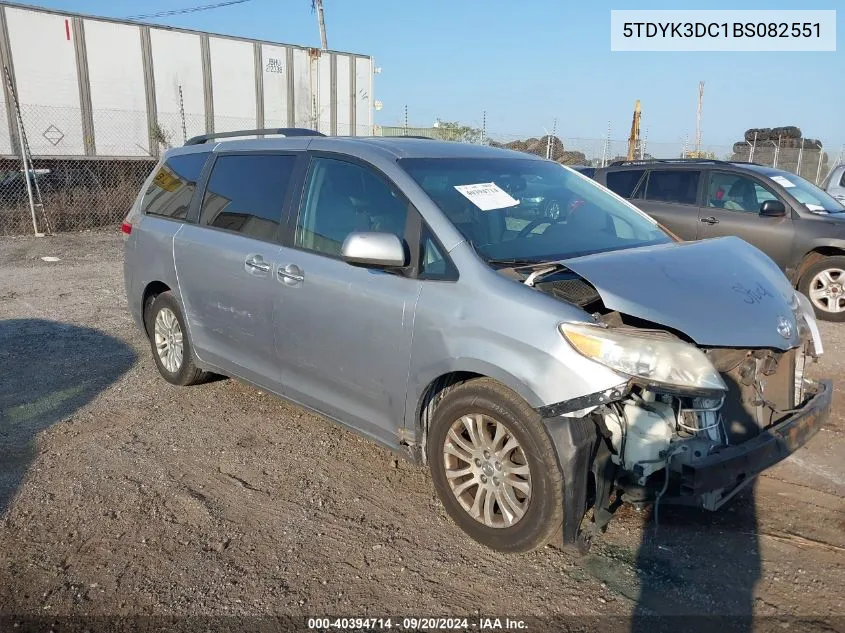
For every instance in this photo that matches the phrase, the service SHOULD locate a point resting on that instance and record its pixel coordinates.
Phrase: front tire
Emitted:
(824, 284)
(169, 341)
(494, 467)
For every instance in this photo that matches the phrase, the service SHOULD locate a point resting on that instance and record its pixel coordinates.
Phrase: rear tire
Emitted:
(824, 284)
(169, 341)
(487, 446)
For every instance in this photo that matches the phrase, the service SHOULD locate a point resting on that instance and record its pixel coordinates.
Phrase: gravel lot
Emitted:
(123, 495)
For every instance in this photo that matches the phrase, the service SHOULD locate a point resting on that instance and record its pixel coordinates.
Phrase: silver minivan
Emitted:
(546, 369)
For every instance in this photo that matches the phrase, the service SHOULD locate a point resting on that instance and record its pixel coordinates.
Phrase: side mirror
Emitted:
(773, 209)
(373, 250)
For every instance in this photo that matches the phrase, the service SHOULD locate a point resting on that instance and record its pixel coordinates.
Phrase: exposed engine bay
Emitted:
(660, 441)
(652, 431)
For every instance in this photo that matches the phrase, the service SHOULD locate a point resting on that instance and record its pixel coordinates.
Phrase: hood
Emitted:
(720, 292)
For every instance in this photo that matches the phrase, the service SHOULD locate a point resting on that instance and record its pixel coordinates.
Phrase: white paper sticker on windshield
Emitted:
(487, 196)
(814, 207)
(783, 182)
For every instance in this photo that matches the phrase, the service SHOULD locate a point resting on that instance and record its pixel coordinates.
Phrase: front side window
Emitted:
(433, 263)
(169, 195)
(343, 198)
(512, 226)
(246, 193)
(677, 186)
(736, 192)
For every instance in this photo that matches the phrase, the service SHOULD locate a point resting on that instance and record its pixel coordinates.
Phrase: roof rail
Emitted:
(277, 131)
(681, 161)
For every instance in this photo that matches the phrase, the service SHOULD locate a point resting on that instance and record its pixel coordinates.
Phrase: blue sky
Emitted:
(527, 63)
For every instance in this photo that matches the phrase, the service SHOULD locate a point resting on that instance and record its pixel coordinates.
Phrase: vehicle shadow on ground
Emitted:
(699, 563)
(48, 371)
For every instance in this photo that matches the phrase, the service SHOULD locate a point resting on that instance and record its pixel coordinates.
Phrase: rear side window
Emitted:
(246, 193)
(678, 186)
(173, 186)
(624, 182)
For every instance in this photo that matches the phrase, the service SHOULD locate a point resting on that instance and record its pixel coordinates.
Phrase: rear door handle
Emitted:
(256, 263)
(291, 274)
(710, 220)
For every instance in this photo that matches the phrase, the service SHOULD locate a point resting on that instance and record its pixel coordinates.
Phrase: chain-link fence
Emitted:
(79, 192)
(75, 194)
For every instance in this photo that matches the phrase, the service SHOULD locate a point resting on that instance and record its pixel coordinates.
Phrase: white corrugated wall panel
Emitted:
(324, 94)
(344, 100)
(232, 84)
(302, 106)
(116, 76)
(275, 75)
(363, 98)
(44, 59)
(177, 61)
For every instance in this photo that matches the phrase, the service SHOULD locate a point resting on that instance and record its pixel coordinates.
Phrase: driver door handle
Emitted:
(710, 220)
(291, 274)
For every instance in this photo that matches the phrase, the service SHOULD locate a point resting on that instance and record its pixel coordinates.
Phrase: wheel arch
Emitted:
(817, 253)
(151, 291)
(422, 402)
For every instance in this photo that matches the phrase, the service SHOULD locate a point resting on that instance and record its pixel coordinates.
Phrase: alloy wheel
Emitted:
(487, 470)
(827, 290)
(168, 340)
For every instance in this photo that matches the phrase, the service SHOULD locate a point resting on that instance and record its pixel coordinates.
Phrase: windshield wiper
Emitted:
(541, 268)
(515, 262)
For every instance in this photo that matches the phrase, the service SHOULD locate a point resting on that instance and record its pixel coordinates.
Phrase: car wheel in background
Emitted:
(824, 284)
(494, 467)
(169, 341)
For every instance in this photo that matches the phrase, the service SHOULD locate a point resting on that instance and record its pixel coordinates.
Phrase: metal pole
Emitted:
(777, 152)
(406, 121)
(800, 155)
(753, 147)
(483, 125)
(321, 21)
(182, 114)
(26, 177)
(819, 168)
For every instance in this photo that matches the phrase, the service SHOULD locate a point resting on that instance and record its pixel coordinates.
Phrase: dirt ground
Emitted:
(123, 495)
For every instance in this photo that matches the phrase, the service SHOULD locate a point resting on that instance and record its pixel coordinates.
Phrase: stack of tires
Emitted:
(540, 147)
(799, 155)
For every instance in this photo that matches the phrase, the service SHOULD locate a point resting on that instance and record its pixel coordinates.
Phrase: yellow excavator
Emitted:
(634, 139)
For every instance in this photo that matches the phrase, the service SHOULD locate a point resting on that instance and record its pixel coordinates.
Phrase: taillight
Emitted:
(126, 228)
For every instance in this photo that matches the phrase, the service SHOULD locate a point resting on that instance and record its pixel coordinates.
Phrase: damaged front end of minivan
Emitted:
(714, 343)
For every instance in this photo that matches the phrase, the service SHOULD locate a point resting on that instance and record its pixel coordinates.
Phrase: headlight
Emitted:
(651, 358)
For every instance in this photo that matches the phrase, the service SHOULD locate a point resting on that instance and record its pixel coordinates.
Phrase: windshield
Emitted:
(536, 210)
(808, 194)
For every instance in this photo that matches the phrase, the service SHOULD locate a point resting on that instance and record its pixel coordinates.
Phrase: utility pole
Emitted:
(317, 5)
(634, 137)
(698, 120)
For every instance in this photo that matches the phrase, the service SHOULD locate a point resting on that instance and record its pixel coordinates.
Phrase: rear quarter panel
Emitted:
(148, 258)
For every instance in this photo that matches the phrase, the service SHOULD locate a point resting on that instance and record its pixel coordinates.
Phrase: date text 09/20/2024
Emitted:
(413, 624)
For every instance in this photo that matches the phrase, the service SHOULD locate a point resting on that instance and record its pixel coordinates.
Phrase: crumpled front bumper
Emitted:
(732, 466)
